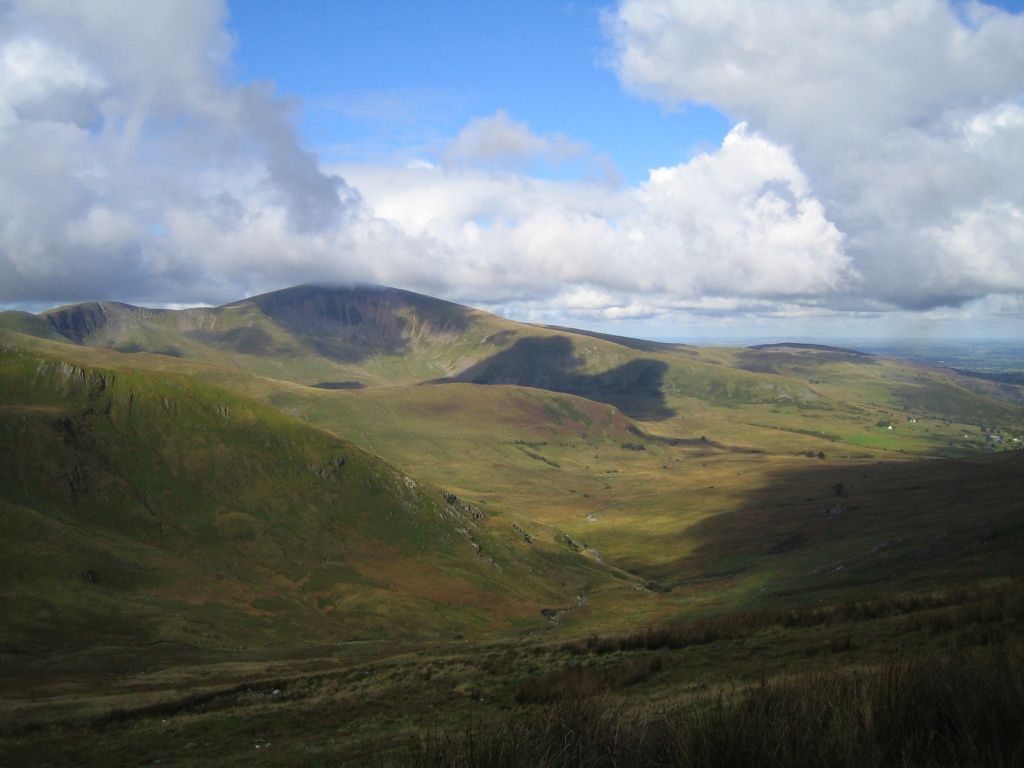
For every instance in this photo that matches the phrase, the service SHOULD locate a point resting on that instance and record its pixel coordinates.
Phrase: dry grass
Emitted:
(929, 711)
(936, 612)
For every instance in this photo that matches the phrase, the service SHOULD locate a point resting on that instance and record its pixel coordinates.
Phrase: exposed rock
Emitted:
(478, 550)
(525, 536)
(570, 542)
(330, 470)
(78, 482)
(656, 586)
(460, 509)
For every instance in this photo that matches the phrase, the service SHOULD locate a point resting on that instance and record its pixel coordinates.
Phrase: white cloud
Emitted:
(904, 114)
(500, 141)
(875, 163)
(741, 221)
(132, 166)
(981, 247)
(39, 81)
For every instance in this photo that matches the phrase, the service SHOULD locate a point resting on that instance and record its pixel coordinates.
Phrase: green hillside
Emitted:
(784, 398)
(351, 525)
(141, 507)
(613, 452)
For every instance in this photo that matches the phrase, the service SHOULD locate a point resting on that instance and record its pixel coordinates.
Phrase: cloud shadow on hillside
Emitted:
(635, 388)
(796, 359)
(801, 531)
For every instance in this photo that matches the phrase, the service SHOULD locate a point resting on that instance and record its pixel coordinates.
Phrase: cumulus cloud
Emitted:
(131, 165)
(740, 221)
(499, 140)
(874, 163)
(905, 115)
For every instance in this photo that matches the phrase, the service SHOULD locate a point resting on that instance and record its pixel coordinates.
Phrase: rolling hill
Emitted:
(142, 507)
(369, 337)
(610, 446)
(335, 514)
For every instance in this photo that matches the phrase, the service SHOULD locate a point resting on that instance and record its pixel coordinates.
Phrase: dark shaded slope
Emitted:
(78, 322)
(550, 363)
(843, 532)
(351, 323)
(792, 357)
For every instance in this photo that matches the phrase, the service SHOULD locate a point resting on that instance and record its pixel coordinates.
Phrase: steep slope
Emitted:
(330, 336)
(140, 507)
(354, 323)
(27, 323)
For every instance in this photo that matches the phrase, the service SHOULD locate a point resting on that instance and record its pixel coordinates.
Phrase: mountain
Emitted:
(610, 447)
(308, 334)
(324, 524)
(371, 337)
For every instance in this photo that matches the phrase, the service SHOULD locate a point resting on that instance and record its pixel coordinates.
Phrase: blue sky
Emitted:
(380, 78)
(386, 82)
(658, 168)
(390, 77)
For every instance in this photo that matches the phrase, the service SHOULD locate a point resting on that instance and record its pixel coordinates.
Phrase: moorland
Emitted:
(362, 526)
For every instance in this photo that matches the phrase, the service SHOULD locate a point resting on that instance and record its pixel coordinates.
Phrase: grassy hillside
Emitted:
(921, 680)
(719, 524)
(783, 398)
(608, 449)
(362, 526)
(141, 507)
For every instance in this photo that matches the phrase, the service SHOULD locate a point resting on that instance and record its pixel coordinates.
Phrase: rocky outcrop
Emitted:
(522, 534)
(574, 544)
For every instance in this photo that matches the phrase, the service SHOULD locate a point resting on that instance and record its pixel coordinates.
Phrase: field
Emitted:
(364, 527)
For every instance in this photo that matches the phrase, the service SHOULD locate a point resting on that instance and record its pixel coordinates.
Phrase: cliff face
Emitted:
(81, 322)
(351, 322)
(344, 324)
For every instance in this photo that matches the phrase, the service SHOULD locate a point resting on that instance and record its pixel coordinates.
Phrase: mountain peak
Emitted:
(348, 321)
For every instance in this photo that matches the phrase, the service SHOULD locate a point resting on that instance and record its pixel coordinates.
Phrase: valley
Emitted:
(412, 518)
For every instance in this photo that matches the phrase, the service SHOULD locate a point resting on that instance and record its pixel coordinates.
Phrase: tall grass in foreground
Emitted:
(954, 608)
(932, 711)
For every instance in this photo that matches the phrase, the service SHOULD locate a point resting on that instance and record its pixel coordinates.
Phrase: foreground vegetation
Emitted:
(929, 711)
(925, 679)
(960, 704)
